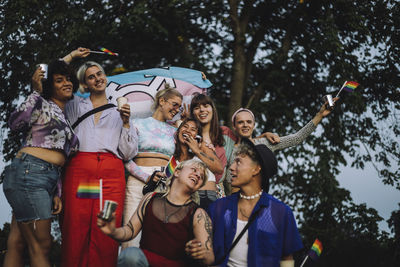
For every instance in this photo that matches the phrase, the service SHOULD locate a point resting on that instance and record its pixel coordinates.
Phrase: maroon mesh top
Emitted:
(167, 228)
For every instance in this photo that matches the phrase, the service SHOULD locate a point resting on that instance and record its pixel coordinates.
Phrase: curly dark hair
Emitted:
(178, 143)
(62, 68)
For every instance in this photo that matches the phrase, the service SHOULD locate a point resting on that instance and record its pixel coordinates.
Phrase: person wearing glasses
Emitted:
(156, 145)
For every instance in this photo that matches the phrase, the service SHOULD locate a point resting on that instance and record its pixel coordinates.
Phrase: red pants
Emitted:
(83, 244)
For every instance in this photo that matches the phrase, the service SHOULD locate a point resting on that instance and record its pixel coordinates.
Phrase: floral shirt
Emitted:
(44, 125)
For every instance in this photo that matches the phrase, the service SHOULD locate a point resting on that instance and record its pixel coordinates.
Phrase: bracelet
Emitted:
(71, 56)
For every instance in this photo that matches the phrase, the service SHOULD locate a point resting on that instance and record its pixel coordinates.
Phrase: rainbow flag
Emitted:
(88, 190)
(350, 86)
(315, 250)
(107, 51)
(171, 167)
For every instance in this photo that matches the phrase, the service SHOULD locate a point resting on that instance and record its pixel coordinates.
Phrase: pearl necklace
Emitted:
(251, 197)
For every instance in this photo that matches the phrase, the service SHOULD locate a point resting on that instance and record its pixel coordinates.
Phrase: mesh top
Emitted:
(167, 228)
(168, 212)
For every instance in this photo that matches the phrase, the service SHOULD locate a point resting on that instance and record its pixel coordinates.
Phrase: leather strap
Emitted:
(91, 112)
(234, 243)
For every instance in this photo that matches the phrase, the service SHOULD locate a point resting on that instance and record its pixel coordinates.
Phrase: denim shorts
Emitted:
(29, 186)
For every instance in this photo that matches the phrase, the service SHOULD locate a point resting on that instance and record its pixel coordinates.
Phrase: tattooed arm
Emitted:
(201, 248)
(205, 154)
(129, 231)
(210, 158)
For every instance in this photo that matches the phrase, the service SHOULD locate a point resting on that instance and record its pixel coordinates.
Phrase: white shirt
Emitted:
(238, 255)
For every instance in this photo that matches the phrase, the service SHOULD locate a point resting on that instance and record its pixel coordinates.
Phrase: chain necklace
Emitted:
(251, 197)
(167, 216)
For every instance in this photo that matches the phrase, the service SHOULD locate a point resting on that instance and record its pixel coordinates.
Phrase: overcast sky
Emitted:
(366, 187)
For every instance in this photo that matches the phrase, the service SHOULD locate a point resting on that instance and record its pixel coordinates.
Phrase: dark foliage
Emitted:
(278, 58)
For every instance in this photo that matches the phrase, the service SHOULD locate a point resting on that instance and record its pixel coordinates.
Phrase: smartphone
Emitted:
(198, 138)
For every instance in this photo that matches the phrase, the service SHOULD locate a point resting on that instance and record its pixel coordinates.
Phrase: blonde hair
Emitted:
(197, 163)
(82, 71)
(166, 93)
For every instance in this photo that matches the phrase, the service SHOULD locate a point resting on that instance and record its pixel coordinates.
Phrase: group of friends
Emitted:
(213, 209)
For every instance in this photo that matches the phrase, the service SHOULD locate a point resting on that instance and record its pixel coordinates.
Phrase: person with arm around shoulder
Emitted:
(107, 139)
(175, 231)
(187, 146)
(243, 122)
(30, 181)
(272, 235)
(220, 139)
(203, 109)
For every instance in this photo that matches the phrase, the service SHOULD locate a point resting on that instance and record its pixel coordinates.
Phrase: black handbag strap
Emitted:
(234, 243)
(91, 112)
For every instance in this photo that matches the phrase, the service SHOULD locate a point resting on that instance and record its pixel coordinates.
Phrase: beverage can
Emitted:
(108, 209)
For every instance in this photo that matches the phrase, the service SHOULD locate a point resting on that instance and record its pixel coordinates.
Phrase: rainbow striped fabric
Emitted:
(107, 51)
(315, 250)
(171, 167)
(88, 190)
(350, 86)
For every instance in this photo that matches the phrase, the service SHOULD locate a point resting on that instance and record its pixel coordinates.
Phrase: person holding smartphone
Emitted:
(31, 180)
(188, 145)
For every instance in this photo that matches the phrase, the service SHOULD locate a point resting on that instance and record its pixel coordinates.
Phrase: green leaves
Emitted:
(281, 58)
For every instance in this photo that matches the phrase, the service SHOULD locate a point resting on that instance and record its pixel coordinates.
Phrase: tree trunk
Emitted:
(238, 79)
(239, 26)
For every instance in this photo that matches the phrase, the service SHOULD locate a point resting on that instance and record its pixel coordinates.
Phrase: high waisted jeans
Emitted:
(29, 186)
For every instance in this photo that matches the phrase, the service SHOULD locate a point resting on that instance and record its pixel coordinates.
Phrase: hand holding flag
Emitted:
(348, 86)
(104, 51)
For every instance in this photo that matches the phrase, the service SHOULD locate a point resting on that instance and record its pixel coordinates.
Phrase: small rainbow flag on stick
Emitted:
(88, 190)
(104, 51)
(171, 167)
(348, 86)
(314, 252)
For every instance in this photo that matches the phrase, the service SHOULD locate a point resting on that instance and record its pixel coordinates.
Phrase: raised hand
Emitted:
(80, 52)
(37, 78)
(192, 144)
(125, 113)
(325, 110)
(185, 112)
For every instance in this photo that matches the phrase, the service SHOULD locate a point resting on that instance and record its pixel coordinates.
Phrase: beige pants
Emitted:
(133, 196)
